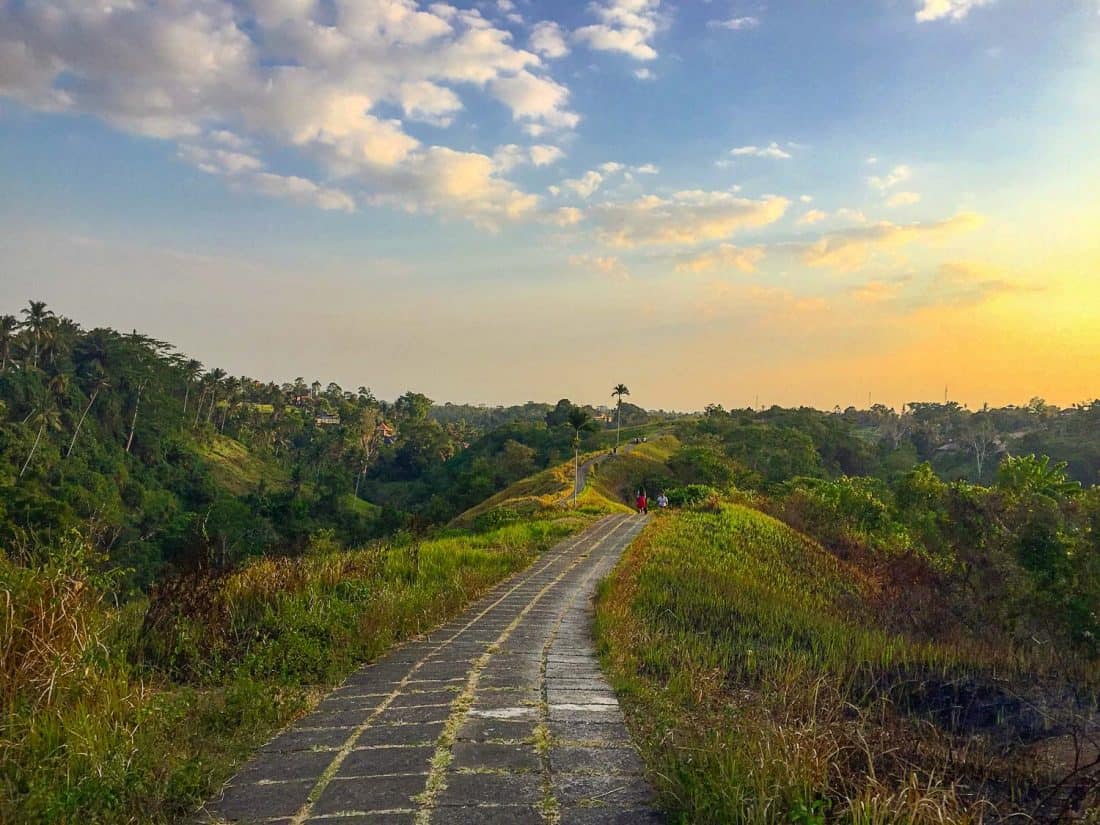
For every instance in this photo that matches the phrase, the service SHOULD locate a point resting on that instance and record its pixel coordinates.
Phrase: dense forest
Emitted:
(168, 465)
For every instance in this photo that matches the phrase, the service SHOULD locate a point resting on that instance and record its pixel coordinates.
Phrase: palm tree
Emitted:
(215, 375)
(133, 421)
(232, 387)
(619, 391)
(8, 327)
(579, 420)
(100, 384)
(46, 417)
(38, 318)
(192, 369)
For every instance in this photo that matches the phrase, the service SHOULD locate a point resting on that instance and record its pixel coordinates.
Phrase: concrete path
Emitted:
(585, 466)
(500, 716)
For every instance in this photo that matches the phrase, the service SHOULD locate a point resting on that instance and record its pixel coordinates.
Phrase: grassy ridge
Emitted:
(137, 714)
(761, 689)
(238, 470)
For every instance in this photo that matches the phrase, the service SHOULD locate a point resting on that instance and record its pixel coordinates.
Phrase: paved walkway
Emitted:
(500, 716)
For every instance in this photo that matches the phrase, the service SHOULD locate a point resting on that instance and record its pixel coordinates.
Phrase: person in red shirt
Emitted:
(642, 502)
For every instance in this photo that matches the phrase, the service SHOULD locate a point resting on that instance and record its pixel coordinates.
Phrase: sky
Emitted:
(712, 201)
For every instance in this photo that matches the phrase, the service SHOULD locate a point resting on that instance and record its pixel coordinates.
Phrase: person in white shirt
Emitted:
(662, 501)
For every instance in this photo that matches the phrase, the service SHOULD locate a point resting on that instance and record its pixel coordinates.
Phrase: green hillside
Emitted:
(767, 680)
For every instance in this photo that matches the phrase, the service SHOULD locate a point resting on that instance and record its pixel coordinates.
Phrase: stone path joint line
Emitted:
(500, 716)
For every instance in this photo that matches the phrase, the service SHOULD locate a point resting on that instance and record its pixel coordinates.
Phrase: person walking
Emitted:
(662, 500)
(642, 502)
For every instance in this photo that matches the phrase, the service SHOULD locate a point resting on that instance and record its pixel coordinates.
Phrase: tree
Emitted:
(579, 420)
(619, 391)
(133, 421)
(8, 328)
(47, 418)
(100, 384)
(37, 321)
(192, 370)
(216, 376)
(560, 414)
(980, 436)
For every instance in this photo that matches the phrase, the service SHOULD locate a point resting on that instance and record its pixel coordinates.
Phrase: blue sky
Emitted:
(509, 200)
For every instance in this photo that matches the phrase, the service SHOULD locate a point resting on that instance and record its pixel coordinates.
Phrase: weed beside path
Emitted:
(135, 714)
(761, 688)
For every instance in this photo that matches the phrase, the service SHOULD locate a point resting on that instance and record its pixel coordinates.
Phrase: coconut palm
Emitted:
(133, 421)
(192, 369)
(37, 322)
(216, 376)
(579, 420)
(9, 326)
(100, 383)
(45, 418)
(619, 391)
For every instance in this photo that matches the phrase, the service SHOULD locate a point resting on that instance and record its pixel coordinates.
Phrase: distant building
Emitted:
(327, 420)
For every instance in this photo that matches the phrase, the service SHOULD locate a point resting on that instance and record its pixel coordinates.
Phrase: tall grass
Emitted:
(135, 714)
(762, 687)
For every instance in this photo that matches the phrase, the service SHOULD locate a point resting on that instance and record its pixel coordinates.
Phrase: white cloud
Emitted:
(902, 199)
(534, 98)
(735, 23)
(849, 249)
(585, 185)
(806, 198)
(645, 74)
(607, 265)
(611, 167)
(684, 218)
(427, 101)
(647, 169)
(953, 9)
(315, 78)
(548, 39)
(852, 215)
(772, 150)
(871, 160)
(301, 190)
(883, 183)
(811, 217)
(625, 26)
(566, 216)
(543, 155)
(725, 256)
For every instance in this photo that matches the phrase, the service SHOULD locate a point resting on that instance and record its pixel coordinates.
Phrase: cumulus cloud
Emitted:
(625, 26)
(685, 218)
(849, 249)
(535, 99)
(585, 185)
(902, 199)
(302, 190)
(772, 150)
(953, 283)
(548, 39)
(725, 256)
(884, 183)
(952, 9)
(735, 23)
(806, 198)
(811, 217)
(313, 77)
(645, 73)
(246, 173)
(543, 155)
(647, 169)
(566, 216)
(606, 265)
